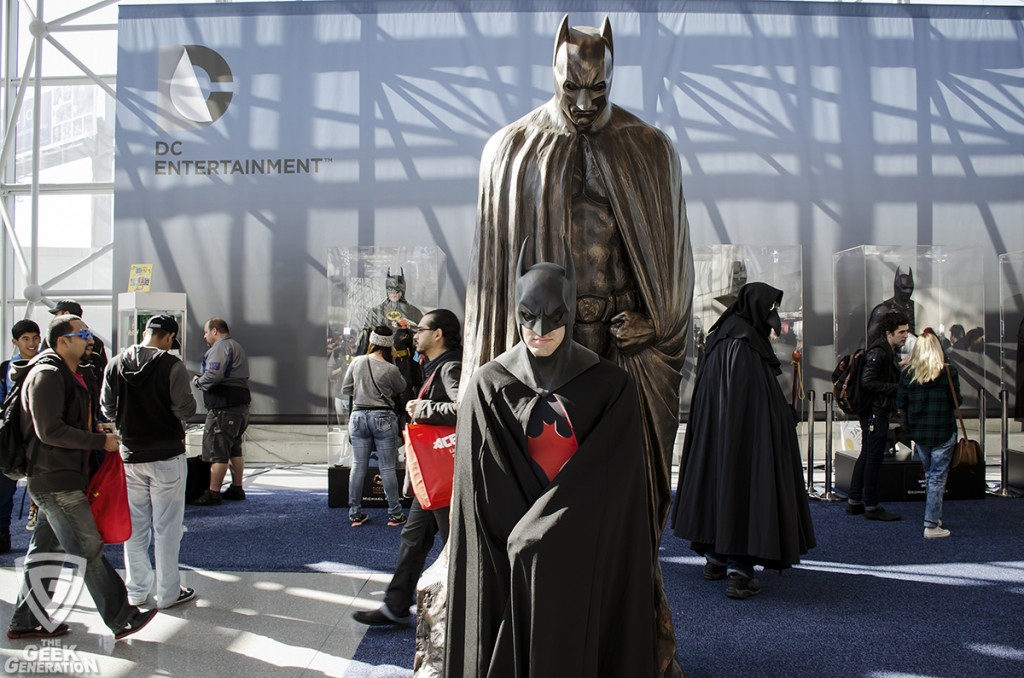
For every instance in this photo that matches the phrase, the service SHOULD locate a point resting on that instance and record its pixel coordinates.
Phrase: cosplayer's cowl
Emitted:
(546, 300)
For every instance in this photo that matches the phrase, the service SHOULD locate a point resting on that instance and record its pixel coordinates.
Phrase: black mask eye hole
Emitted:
(527, 317)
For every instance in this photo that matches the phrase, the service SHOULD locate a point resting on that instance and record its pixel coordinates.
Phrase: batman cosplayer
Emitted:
(551, 570)
(740, 498)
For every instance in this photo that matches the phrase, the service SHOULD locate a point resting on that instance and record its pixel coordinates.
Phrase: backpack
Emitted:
(846, 383)
(14, 461)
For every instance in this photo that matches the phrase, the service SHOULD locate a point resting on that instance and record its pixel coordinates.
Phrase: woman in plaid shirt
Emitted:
(924, 394)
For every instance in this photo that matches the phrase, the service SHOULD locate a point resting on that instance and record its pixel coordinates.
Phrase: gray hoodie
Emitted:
(146, 393)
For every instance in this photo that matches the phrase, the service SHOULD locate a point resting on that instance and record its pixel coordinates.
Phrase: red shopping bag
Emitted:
(108, 499)
(430, 462)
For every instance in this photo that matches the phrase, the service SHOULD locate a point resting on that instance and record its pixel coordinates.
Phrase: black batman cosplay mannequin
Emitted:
(551, 571)
(902, 290)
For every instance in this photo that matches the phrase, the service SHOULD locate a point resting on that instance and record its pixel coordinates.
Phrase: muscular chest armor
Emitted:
(605, 282)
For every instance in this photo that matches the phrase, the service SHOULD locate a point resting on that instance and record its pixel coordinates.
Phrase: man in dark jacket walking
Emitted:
(438, 338)
(57, 426)
(879, 381)
(146, 393)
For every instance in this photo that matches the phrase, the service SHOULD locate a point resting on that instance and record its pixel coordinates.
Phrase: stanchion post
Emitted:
(982, 404)
(1004, 447)
(826, 494)
(810, 442)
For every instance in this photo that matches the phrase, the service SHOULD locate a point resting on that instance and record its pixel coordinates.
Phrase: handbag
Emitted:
(966, 452)
(108, 499)
(430, 463)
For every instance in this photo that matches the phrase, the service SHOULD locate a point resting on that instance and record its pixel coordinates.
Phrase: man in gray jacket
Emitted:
(225, 386)
(57, 427)
(146, 393)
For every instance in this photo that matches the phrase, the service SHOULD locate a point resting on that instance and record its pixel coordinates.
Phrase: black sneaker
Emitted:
(358, 519)
(381, 617)
(207, 499)
(714, 571)
(879, 513)
(395, 521)
(854, 509)
(741, 587)
(38, 632)
(184, 595)
(135, 624)
(233, 493)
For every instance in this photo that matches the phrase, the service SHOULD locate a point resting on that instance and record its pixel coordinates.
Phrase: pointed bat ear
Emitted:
(606, 33)
(897, 271)
(521, 266)
(389, 271)
(570, 265)
(561, 36)
(910, 272)
(401, 271)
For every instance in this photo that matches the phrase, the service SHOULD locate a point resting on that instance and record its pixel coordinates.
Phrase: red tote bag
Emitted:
(430, 462)
(108, 499)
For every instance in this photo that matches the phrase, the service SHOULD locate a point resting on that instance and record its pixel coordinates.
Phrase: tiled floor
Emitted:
(242, 624)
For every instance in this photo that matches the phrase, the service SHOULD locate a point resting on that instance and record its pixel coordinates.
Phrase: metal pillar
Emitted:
(1004, 449)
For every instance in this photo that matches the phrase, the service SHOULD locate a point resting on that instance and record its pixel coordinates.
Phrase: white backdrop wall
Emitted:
(819, 124)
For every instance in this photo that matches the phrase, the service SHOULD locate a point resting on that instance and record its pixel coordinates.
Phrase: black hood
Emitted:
(752, 316)
(546, 300)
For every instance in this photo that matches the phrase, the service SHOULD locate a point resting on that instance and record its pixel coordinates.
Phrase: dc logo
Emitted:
(194, 89)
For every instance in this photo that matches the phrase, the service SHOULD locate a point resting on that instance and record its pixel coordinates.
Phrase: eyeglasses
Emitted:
(84, 334)
(424, 329)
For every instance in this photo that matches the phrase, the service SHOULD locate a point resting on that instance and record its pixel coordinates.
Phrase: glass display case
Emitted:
(719, 273)
(1011, 359)
(938, 287)
(369, 286)
(134, 309)
(1011, 330)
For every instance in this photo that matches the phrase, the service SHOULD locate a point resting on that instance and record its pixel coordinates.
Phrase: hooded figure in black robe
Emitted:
(740, 494)
(551, 571)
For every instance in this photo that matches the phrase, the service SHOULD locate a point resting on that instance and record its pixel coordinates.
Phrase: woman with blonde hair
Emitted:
(926, 395)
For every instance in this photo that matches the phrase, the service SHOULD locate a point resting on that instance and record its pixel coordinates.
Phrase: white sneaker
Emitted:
(935, 532)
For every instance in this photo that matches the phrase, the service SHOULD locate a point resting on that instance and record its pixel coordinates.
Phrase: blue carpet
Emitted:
(873, 599)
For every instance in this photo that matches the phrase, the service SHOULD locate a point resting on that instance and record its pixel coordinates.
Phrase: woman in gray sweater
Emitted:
(372, 381)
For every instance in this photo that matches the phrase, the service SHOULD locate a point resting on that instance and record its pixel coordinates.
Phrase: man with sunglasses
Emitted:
(59, 429)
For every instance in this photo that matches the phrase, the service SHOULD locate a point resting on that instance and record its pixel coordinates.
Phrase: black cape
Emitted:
(740, 478)
(550, 579)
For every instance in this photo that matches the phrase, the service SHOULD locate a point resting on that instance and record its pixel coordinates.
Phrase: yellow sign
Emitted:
(140, 278)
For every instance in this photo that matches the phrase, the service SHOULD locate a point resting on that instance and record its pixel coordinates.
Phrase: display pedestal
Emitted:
(373, 488)
(904, 480)
(1015, 469)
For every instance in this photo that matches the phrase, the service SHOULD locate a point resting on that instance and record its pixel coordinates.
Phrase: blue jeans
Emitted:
(368, 429)
(935, 459)
(66, 525)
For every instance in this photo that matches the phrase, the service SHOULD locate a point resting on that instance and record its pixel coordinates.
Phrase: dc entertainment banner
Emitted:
(252, 137)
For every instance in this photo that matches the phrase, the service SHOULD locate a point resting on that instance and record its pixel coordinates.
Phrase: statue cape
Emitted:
(525, 177)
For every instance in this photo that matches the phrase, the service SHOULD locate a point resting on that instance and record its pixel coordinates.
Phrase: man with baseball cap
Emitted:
(146, 393)
(97, 353)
